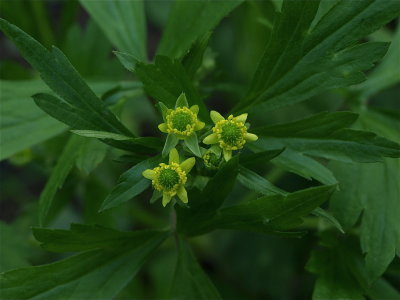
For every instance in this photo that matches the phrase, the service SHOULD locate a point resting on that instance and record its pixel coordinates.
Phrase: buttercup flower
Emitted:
(170, 178)
(181, 121)
(230, 134)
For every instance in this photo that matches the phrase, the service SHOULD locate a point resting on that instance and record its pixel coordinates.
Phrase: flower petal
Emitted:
(227, 154)
(174, 156)
(149, 174)
(182, 194)
(166, 199)
(163, 127)
(216, 116)
(188, 164)
(250, 137)
(211, 139)
(199, 125)
(195, 109)
(242, 118)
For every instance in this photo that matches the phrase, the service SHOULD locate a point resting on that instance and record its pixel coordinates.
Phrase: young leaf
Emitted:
(94, 274)
(193, 144)
(193, 60)
(189, 21)
(63, 79)
(321, 58)
(170, 143)
(130, 184)
(123, 22)
(58, 176)
(166, 80)
(190, 281)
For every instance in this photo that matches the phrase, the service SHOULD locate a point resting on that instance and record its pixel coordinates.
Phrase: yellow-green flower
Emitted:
(230, 134)
(181, 121)
(170, 178)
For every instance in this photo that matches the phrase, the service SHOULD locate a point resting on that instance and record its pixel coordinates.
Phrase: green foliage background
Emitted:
(310, 210)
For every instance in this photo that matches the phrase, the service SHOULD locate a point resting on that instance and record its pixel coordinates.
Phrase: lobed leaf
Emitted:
(64, 80)
(303, 61)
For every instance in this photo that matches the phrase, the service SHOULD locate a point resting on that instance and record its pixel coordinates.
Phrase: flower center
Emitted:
(231, 134)
(168, 178)
(181, 120)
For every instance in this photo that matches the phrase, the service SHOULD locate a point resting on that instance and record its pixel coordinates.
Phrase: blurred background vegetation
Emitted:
(242, 265)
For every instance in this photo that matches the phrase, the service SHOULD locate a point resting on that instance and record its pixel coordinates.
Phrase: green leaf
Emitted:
(19, 115)
(14, 249)
(94, 274)
(63, 79)
(127, 60)
(314, 126)
(190, 281)
(130, 184)
(303, 61)
(91, 153)
(189, 21)
(271, 214)
(324, 135)
(166, 80)
(193, 144)
(255, 159)
(387, 73)
(123, 22)
(170, 143)
(194, 58)
(319, 212)
(82, 237)
(58, 175)
(101, 135)
(257, 183)
(304, 166)
(335, 281)
(373, 190)
(342, 273)
(204, 204)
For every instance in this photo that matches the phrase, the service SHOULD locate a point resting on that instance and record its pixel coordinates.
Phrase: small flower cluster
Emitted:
(182, 123)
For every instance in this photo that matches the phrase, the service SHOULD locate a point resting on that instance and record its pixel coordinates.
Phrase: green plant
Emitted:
(227, 175)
